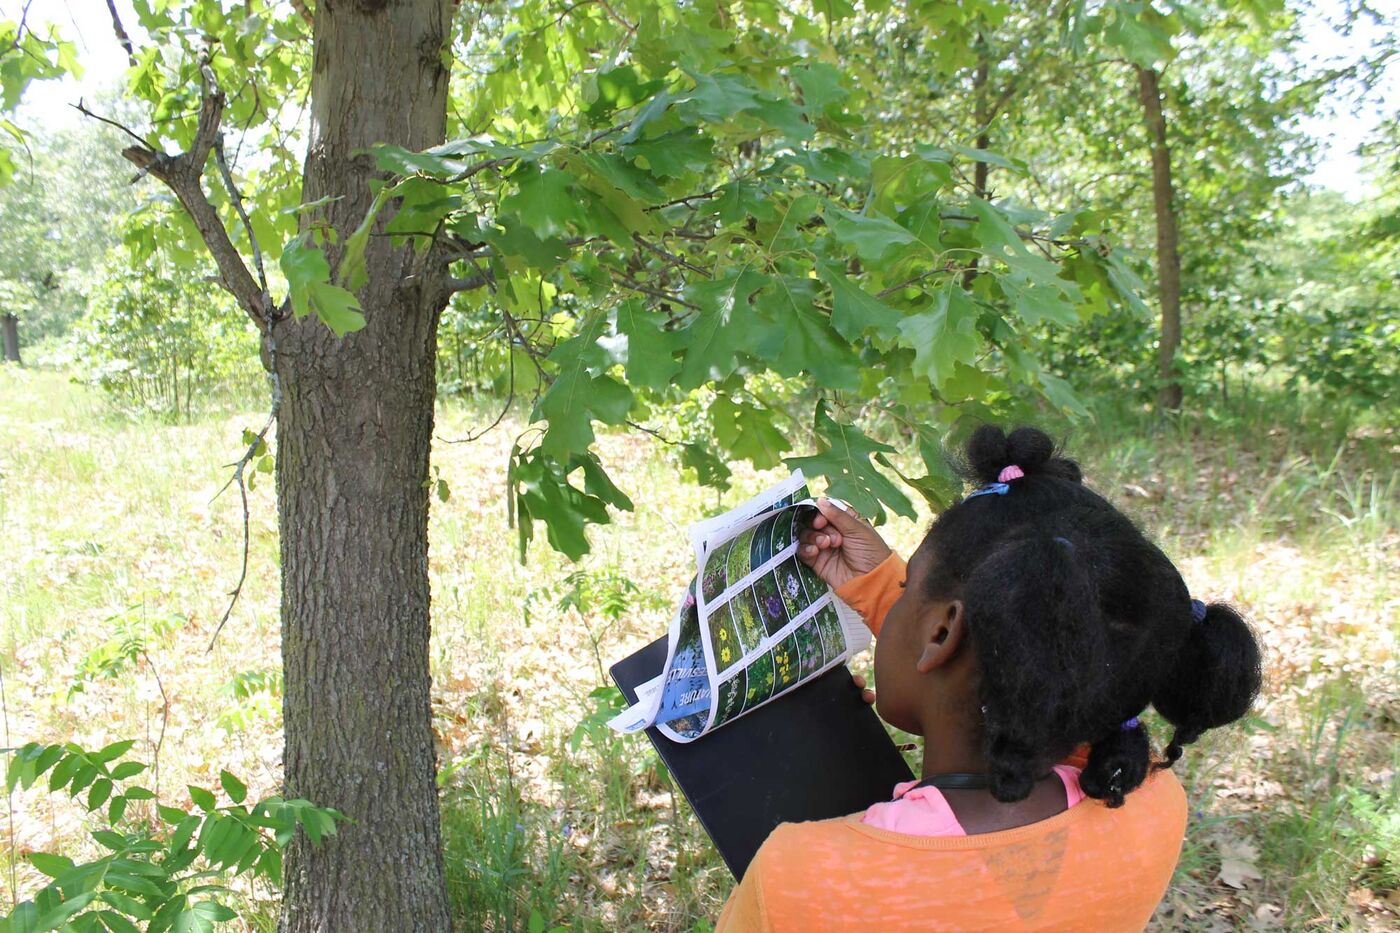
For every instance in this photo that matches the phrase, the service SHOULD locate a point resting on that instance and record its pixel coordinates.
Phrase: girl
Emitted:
(1026, 635)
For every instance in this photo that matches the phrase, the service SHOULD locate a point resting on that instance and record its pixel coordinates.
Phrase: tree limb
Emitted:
(466, 285)
(670, 257)
(122, 37)
(82, 108)
(255, 446)
(20, 28)
(638, 287)
(510, 400)
(617, 17)
(304, 11)
(183, 174)
(237, 200)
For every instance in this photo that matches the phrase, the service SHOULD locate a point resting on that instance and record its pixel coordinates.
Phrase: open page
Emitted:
(754, 622)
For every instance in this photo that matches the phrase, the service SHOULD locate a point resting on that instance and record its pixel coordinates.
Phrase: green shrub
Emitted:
(168, 873)
(158, 339)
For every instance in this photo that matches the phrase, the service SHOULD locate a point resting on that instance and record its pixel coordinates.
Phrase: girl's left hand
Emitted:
(866, 695)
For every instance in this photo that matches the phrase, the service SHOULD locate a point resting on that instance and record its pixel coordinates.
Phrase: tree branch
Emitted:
(183, 175)
(258, 443)
(237, 200)
(618, 17)
(304, 11)
(122, 37)
(82, 108)
(510, 399)
(638, 287)
(670, 257)
(479, 167)
(20, 28)
(472, 284)
(653, 432)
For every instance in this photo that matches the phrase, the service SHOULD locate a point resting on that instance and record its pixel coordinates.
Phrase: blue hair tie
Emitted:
(1130, 724)
(1198, 610)
(991, 489)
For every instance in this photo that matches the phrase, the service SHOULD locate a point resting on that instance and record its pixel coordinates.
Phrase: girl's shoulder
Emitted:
(1051, 868)
(1157, 809)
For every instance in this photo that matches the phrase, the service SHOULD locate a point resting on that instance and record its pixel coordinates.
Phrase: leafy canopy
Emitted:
(648, 203)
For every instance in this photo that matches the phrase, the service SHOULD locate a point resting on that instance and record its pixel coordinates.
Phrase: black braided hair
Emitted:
(1078, 622)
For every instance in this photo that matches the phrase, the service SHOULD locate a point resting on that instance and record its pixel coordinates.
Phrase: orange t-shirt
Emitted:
(1086, 868)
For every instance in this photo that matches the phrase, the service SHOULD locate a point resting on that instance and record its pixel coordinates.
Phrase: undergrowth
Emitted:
(119, 557)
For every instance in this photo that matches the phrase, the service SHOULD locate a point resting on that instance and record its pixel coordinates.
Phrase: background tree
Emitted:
(61, 214)
(25, 56)
(1059, 84)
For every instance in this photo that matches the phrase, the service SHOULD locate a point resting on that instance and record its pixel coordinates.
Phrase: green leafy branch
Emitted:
(171, 875)
(26, 56)
(656, 268)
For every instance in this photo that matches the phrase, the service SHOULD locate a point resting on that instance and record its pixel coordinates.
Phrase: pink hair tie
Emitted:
(1009, 473)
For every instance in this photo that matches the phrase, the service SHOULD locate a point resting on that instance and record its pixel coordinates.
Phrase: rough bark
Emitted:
(982, 117)
(352, 460)
(1169, 393)
(9, 325)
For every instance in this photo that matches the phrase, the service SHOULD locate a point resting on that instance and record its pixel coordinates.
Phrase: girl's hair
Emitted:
(1078, 623)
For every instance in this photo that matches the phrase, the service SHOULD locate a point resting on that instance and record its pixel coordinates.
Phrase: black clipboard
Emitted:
(818, 752)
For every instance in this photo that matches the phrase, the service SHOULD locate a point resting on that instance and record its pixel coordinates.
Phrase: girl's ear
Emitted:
(945, 629)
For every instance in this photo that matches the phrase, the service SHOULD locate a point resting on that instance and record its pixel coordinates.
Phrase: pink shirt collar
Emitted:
(924, 811)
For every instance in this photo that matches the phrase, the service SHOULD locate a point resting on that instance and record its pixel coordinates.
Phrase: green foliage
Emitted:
(663, 240)
(173, 873)
(60, 216)
(503, 867)
(607, 703)
(661, 203)
(26, 56)
(253, 696)
(133, 633)
(260, 52)
(847, 457)
(309, 286)
(159, 338)
(543, 492)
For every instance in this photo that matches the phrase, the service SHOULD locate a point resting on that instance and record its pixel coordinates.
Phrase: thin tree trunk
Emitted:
(982, 117)
(9, 324)
(1169, 393)
(352, 458)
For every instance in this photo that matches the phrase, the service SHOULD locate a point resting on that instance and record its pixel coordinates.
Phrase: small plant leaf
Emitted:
(237, 791)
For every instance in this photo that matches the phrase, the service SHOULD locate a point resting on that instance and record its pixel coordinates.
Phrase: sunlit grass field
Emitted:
(117, 559)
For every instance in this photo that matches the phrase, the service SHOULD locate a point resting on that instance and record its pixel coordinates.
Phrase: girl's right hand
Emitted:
(840, 545)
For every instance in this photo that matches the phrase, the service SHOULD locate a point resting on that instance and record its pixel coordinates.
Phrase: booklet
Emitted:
(754, 623)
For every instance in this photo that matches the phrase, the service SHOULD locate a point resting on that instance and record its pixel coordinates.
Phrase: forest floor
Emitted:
(119, 557)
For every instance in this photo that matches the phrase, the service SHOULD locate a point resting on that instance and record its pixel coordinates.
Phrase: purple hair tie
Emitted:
(1198, 610)
(1129, 724)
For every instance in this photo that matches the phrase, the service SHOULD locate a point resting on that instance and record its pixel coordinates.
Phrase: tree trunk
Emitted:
(1169, 393)
(353, 439)
(9, 325)
(982, 117)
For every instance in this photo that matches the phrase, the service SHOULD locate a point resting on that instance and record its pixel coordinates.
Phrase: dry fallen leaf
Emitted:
(1267, 917)
(1237, 864)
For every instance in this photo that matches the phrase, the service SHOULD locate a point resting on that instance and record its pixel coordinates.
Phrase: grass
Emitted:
(111, 537)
